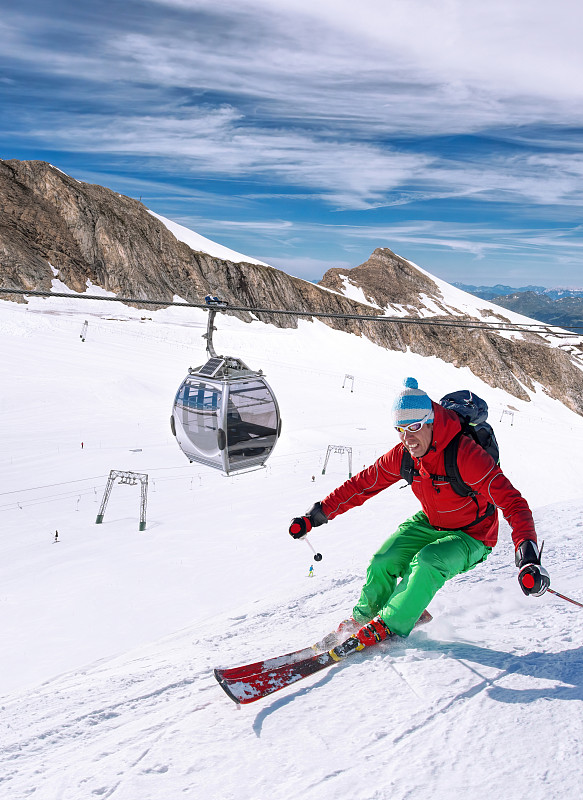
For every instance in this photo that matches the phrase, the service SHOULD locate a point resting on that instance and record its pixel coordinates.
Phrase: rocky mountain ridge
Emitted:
(52, 224)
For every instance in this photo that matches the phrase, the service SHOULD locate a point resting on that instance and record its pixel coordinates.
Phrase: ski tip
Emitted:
(224, 686)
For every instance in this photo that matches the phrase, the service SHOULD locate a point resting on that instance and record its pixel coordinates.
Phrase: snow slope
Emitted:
(202, 244)
(110, 635)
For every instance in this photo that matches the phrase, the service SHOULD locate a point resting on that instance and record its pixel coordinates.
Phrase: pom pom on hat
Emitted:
(412, 404)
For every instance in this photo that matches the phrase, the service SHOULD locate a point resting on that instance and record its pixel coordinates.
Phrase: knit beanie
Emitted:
(411, 405)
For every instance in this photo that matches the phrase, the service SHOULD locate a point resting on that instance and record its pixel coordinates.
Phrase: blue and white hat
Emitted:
(412, 405)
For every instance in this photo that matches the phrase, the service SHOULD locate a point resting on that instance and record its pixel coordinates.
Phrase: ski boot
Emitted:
(370, 634)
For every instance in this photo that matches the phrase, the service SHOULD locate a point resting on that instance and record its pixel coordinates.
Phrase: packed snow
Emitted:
(110, 635)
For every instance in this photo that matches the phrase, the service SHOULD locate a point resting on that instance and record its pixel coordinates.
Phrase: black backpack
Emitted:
(472, 412)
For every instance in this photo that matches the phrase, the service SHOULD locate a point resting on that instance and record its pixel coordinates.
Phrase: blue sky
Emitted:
(307, 133)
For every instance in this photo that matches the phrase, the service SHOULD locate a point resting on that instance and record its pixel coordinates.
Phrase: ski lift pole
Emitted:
(568, 599)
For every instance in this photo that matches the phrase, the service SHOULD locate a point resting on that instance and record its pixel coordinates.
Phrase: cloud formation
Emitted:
(304, 108)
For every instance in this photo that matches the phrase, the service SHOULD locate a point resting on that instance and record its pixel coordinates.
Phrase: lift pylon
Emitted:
(338, 448)
(130, 479)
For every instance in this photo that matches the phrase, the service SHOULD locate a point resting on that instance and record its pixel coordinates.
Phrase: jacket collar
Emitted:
(445, 426)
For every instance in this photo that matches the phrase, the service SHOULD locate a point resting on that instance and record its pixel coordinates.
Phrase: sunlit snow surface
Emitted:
(200, 243)
(110, 635)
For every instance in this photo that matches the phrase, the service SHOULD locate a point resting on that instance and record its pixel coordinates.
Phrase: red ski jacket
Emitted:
(445, 509)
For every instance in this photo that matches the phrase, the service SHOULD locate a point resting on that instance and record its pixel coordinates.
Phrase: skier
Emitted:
(451, 534)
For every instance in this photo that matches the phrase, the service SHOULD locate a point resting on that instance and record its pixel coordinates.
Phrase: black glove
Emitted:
(533, 579)
(301, 526)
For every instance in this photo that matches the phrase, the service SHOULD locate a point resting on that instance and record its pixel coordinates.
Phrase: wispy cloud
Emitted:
(348, 175)
(414, 67)
(490, 60)
(302, 106)
(473, 239)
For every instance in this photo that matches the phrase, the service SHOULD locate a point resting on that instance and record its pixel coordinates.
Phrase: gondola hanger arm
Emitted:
(214, 304)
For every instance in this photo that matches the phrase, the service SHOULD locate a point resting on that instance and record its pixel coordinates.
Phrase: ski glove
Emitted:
(301, 526)
(533, 579)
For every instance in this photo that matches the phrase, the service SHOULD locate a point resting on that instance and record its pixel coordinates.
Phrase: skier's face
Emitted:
(418, 442)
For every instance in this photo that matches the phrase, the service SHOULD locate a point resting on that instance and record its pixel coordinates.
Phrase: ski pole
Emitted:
(317, 556)
(562, 596)
(552, 591)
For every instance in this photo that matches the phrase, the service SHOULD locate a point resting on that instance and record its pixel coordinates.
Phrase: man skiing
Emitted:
(460, 487)
(451, 535)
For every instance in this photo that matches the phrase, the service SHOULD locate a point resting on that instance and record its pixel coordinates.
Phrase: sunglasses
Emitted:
(413, 427)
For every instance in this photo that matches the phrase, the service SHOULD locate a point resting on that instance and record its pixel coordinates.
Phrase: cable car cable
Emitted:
(494, 327)
(225, 414)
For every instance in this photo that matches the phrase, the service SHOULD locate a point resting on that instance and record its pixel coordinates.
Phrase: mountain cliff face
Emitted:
(52, 222)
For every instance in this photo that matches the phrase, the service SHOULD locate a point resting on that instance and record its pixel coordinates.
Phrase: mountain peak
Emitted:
(386, 279)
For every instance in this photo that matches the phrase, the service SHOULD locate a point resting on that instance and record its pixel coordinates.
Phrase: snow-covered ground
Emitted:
(109, 636)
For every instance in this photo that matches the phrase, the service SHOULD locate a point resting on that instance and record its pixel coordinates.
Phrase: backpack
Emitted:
(472, 412)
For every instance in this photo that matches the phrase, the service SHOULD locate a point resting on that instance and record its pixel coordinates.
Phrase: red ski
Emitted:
(251, 682)
(280, 661)
(269, 663)
(248, 688)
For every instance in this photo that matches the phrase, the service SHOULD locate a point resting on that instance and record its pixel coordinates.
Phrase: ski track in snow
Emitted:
(115, 634)
(112, 729)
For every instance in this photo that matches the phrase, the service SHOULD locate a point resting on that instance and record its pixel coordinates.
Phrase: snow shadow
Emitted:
(283, 701)
(565, 668)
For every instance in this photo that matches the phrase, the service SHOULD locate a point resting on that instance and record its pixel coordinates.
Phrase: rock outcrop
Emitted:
(52, 222)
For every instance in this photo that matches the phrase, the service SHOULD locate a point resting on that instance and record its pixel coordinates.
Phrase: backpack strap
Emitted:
(455, 479)
(452, 476)
(451, 468)
(407, 470)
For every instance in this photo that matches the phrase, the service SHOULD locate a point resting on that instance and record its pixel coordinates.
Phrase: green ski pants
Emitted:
(424, 558)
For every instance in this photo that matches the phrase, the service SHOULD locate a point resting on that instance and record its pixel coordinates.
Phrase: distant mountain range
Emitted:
(562, 307)
(500, 290)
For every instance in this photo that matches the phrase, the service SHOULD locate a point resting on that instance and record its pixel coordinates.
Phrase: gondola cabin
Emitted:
(226, 416)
